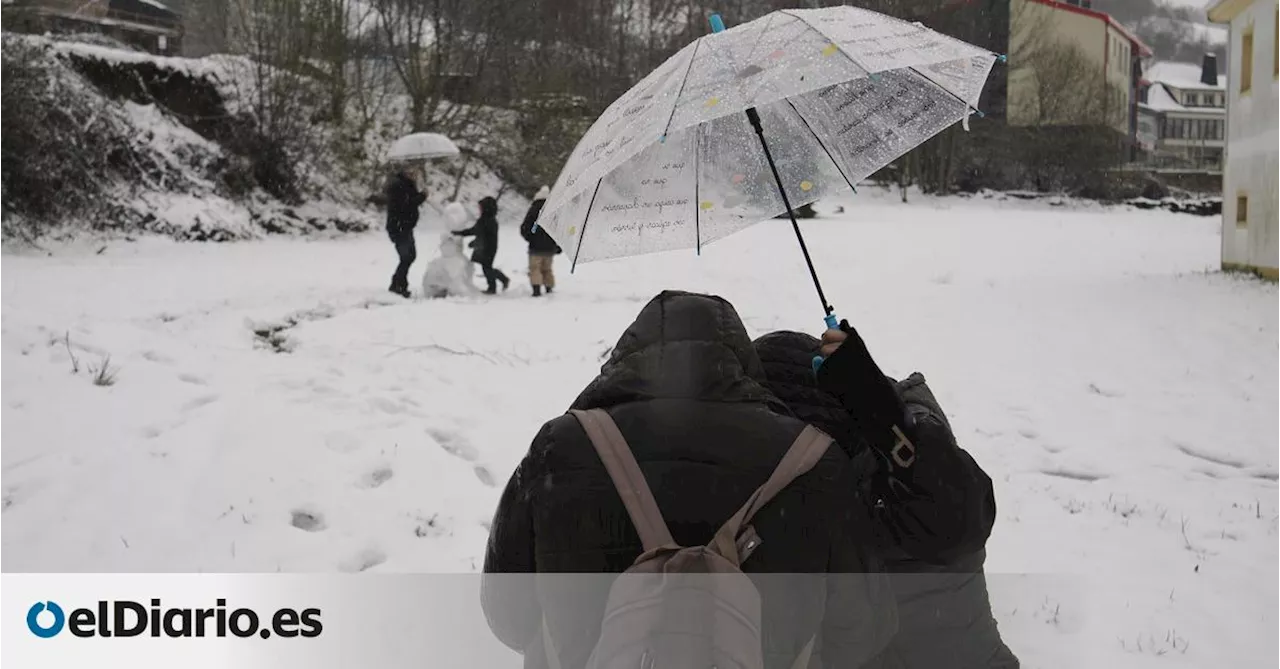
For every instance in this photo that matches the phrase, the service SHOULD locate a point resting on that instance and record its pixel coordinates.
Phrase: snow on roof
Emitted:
(1159, 99)
(1185, 76)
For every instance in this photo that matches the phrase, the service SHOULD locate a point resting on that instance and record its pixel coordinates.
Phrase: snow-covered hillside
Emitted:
(275, 409)
(169, 148)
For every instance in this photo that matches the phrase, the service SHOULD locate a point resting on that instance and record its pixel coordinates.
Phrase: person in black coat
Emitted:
(542, 248)
(684, 386)
(932, 516)
(486, 244)
(403, 199)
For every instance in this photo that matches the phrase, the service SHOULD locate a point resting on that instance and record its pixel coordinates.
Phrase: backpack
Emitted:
(682, 607)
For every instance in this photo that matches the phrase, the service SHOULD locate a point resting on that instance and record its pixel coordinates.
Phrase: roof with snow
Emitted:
(1184, 76)
(1160, 100)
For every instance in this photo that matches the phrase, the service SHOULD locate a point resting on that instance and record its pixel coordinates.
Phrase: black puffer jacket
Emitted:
(540, 241)
(403, 200)
(932, 523)
(684, 386)
(485, 248)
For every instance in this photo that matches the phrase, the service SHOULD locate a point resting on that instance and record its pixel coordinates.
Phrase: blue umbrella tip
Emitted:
(717, 23)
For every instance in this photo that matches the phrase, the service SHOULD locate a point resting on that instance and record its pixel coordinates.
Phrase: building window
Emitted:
(1242, 210)
(1246, 61)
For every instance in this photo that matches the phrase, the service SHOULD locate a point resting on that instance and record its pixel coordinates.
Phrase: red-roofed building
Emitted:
(1101, 88)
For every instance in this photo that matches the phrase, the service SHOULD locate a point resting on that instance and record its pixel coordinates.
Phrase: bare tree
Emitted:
(277, 89)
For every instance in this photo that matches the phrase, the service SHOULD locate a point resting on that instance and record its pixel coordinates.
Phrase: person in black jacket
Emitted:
(542, 248)
(932, 516)
(403, 199)
(486, 244)
(684, 386)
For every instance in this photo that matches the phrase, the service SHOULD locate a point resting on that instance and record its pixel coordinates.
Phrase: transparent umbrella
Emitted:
(747, 123)
(421, 146)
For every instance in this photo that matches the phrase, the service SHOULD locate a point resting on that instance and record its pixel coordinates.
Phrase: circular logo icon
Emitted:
(33, 619)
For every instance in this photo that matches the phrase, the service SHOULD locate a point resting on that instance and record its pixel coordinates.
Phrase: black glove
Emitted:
(878, 414)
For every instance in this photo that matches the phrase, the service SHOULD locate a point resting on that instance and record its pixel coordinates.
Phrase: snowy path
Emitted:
(1122, 398)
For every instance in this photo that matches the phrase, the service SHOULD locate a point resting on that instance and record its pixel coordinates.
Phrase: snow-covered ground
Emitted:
(1121, 393)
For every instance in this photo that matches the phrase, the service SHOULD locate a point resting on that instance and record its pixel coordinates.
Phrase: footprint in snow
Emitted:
(1104, 392)
(454, 444)
(153, 356)
(192, 379)
(1224, 460)
(308, 520)
(428, 527)
(1073, 475)
(1028, 433)
(485, 476)
(376, 477)
(364, 560)
(385, 405)
(203, 400)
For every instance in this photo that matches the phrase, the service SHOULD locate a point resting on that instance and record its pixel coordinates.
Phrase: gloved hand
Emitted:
(852, 375)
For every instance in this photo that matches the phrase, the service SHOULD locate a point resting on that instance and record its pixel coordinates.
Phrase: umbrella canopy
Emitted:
(421, 146)
(839, 93)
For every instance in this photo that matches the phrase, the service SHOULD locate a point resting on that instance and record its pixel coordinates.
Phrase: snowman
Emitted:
(450, 272)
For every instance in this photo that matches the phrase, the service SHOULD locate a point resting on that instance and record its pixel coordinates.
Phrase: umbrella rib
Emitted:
(583, 233)
(820, 143)
(763, 32)
(697, 157)
(676, 103)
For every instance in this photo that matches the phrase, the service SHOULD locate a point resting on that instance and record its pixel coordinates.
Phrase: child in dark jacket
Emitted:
(486, 244)
(542, 248)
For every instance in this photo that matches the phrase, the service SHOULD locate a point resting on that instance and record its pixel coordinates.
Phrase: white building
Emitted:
(1249, 202)
(1182, 115)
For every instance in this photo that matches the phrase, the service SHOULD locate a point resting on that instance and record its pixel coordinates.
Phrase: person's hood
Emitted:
(787, 360)
(488, 207)
(681, 346)
(455, 216)
(541, 194)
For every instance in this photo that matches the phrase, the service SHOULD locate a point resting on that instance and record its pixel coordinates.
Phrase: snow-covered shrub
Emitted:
(64, 147)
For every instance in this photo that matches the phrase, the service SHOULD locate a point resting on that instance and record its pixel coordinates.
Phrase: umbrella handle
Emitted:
(833, 323)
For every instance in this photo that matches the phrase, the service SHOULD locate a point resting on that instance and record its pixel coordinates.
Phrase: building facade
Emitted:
(1182, 116)
(1100, 89)
(149, 25)
(1249, 199)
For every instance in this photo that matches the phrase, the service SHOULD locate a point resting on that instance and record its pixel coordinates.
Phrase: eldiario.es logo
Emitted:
(124, 618)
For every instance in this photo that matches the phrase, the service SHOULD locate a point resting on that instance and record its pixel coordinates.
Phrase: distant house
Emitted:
(1182, 116)
(1249, 202)
(1110, 51)
(149, 25)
